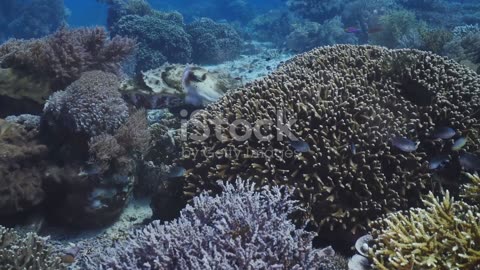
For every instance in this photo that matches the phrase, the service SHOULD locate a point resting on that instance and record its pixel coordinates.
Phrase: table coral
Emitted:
(444, 235)
(340, 96)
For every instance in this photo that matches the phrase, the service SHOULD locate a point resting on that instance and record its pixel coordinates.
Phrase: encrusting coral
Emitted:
(240, 229)
(28, 251)
(443, 236)
(348, 102)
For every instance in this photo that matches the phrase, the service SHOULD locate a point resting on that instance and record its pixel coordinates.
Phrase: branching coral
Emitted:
(62, 57)
(443, 236)
(90, 106)
(240, 229)
(28, 251)
(471, 191)
(348, 102)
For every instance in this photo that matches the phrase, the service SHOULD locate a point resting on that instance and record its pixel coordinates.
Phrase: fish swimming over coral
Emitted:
(404, 144)
(199, 90)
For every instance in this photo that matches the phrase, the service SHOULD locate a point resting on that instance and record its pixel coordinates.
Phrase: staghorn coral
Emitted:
(21, 169)
(240, 229)
(462, 47)
(444, 235)
(28, 251)
(90, 106)
(471, 191)
(213, 42)
(63, 56)
(339, 96)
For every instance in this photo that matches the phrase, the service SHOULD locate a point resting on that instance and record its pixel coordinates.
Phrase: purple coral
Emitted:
(63, 56)
(239, 229)
(89, 106)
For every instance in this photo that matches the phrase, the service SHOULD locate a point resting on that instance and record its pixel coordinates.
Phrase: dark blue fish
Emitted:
(353, 148)
(459, 143)
(404, 144)
(177, 171)
(90, 170)
(438, 162)
(470, 161)
(443, 133)
(300, 146)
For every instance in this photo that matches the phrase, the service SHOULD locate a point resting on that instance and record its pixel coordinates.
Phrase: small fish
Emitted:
(353, 148)
(90, 169)
(459, 143)
(404, 144)
(238, 78)
(438, 162)
(268, 59)
(352, 30)
(375, 29)
(268, 67)
(443, 133)
(469, 161)
(176, 171)
(300, 146)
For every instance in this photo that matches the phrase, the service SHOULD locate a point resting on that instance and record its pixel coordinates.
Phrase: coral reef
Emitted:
(309, 35)
(21, 169)
(62, 57)
(37, 18)
(348, 103)
(317, 11)
(89, 106)
(213, 233)
(18, 86)
(28, 251)
(399, 26)
(213, 42)
(160, 36)
(273, 26)
(444, 235)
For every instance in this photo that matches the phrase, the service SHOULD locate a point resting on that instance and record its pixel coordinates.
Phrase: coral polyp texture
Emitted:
(445, 235)
(28, 251)
(90, 106)
(348, 102)
(241, 229)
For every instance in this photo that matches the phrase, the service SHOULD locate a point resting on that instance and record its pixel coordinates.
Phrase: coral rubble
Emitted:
(347, 103)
